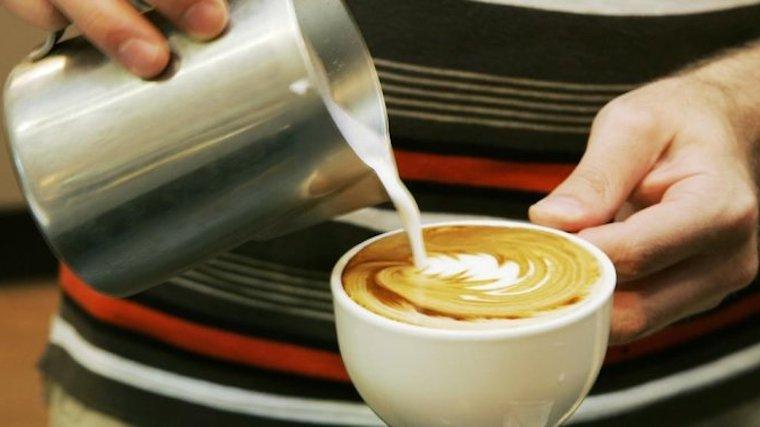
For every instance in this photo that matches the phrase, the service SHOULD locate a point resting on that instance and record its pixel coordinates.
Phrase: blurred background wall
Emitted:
(16, 40)
(23, 253)
(28, 295)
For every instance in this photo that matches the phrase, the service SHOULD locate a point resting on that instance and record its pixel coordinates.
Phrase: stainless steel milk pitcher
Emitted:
(133, 181)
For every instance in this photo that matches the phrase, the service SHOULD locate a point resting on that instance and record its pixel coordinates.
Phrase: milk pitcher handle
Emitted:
(55, 36)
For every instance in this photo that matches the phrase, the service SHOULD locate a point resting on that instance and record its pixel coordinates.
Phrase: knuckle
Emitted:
(51, 19)
(633, 326)
(175, 9)
(89, 21)
(39, 14)
(628, 115)
(745, 212)
(738, 218)
(746, 272)
(711, 303)
(595, 180)
(631, 261)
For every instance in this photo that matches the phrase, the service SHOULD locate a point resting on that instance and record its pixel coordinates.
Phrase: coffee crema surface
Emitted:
(476, 276)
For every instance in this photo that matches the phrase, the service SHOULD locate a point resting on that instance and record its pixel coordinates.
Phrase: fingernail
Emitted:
(565, 207)
(141, 57)
(205, 19)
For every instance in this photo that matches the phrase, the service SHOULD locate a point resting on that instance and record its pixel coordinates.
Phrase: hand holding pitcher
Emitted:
(120, 31)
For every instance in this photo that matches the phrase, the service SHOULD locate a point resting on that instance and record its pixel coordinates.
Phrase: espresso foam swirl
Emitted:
(474, 274)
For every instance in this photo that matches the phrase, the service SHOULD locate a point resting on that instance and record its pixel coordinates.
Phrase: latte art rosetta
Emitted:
(473, 274)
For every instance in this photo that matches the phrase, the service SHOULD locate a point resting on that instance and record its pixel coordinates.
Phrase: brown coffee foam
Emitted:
(554, 274)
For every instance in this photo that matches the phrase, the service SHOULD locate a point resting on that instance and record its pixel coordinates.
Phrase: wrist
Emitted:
(731, 85)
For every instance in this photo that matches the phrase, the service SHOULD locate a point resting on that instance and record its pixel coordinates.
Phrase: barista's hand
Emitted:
(119, 30)
(670, 165)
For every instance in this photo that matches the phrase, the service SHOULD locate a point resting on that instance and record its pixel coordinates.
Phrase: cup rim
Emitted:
(592, 304)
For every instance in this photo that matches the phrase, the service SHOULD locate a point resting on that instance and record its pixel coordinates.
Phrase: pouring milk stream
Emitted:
(375, 151)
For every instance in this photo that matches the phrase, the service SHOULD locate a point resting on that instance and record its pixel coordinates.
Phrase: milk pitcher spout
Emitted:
(132, 181)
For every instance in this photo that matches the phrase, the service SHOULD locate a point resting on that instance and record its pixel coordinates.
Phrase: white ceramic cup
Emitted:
(532, 374)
